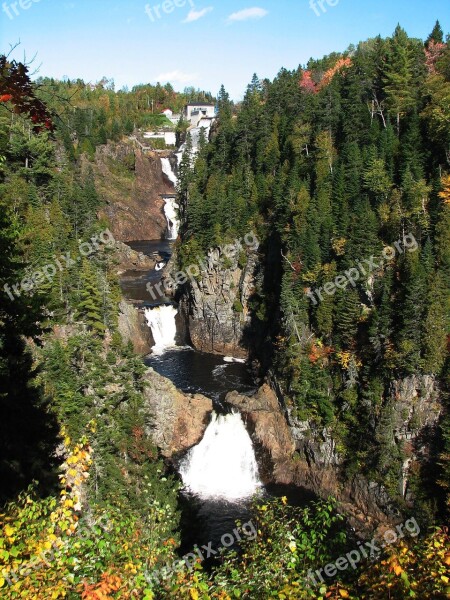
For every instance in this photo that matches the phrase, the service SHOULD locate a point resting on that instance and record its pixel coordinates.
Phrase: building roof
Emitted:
(201, 104)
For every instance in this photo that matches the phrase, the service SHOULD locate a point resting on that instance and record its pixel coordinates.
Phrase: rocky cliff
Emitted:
(215, 305)
(134, 328)
(130, 260)
(301, 453)
(130, 182)
(176, 421)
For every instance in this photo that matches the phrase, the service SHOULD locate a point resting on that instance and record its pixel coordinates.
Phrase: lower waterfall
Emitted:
(161, 321)
(223, 464)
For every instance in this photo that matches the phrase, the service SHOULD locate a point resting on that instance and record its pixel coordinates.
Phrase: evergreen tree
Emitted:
(398, 76)
(437, 35)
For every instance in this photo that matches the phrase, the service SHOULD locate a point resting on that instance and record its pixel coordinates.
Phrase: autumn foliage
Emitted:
(445, 193)
(308, 84)
(342, 63)
(17, 88)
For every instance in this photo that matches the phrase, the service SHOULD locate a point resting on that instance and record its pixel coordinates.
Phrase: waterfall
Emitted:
(223, 464)
(168, 171)
(170, 206)
(171, 212)
(161, 321)
(204, 124)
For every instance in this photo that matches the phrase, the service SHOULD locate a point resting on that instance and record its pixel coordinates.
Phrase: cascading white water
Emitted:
(171, 207)
(161, 321)
(223, 464)
(168, 171)
(231, 359)
(195, 132)
(171, 212)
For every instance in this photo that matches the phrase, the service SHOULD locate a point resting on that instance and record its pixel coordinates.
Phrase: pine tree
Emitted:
(435, 327)
(398, 77)
(90, 303)
(437, 35)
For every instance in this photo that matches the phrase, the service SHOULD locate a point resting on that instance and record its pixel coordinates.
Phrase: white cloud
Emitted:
(248, 13)
(195, 15)
(176, 77)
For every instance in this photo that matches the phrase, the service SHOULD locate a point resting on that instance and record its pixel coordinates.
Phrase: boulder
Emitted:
(176, 421)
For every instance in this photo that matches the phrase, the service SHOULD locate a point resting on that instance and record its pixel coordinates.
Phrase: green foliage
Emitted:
(330, 185)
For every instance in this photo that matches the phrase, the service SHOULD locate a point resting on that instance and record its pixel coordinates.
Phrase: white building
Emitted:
(169, 137)
(196, 111)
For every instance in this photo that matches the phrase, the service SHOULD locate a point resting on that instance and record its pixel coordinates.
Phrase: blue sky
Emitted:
(198, 42)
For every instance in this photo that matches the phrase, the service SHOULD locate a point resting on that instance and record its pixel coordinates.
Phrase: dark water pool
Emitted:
(197, 372)
(134, 283)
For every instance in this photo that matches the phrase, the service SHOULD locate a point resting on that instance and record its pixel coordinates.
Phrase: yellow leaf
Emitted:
(194, 594)
(9, 530)
(2, 582)
(398, 570)
(344, 594)
(445, 579)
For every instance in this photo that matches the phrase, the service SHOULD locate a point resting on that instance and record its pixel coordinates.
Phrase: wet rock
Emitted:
(130, 260)
(134, 328)
(175, 421)
(269, 430)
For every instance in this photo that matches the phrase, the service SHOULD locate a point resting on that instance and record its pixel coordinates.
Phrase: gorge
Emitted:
(289, 452)
(246, 388)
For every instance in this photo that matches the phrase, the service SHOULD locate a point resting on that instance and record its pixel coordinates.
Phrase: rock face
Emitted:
(215, 305)
(176, 421)
(274, 444)
(134, 328)
(415, 413)
(415, 405)
(130, 260)
(300, 453)
(131, 182)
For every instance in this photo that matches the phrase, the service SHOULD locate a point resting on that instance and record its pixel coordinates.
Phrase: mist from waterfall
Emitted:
(161, 321)
(223, 465)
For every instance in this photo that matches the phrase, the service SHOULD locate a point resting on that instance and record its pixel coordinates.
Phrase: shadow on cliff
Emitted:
(258, 337)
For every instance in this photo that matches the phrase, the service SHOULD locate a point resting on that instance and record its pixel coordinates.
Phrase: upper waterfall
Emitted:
(168, 171)
(223, 464)
(171, 207)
